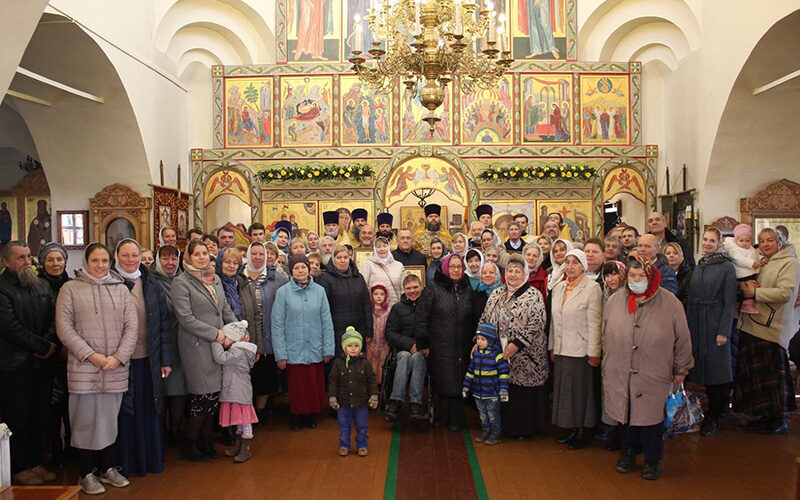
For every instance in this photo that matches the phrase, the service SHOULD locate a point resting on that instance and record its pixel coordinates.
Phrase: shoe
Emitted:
(311, 422)
(627, 461)
(614, 443)
(262, 417)
(343, 452)
(91, 485)
(493, 439)
(775, 427)
(27, 478)
(229, 436)
(114, 478)
(524, 438)
(294, 422)
(566, 438)
(193, 452)
(415, 412)
(392, 411)
(651, 471)
(709, 427)
(601, 434)
(46, 475)
(244, 453)
(176, 437)
(208, 448)
(579, 441)
(482, 437)
(362, 452)
(232, 452)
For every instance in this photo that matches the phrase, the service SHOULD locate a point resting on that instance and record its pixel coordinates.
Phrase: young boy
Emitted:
(487, 379)
(351, 387)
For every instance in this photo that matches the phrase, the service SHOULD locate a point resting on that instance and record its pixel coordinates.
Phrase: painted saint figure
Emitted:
(5, 224)
(311, 30)
(538, 26)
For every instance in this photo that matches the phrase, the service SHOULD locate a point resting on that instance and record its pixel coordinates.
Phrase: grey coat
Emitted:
(236, 364)
(712, 301)
(199, 321)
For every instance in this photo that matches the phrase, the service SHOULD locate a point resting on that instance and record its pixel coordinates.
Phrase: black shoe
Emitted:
(415, 412)
(294, 421)
(651, 471)
(208, 449)
(627, 461)
(566, 438)
(57, 457)
(579, 441)
(524, 437)
(311, 422)
(709, 427)
(392, 411)
(193, 452)
(176, 437)
(613, 443)
(262, 417)
(229, 435)
(775, 427)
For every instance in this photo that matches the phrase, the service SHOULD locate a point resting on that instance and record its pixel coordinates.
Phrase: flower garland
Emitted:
(316, 174)
(563, 173)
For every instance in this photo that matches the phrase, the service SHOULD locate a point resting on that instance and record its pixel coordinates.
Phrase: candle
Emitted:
(492, 35)
(417, 27)
(358, 29)
(501, 37)
(458, 17)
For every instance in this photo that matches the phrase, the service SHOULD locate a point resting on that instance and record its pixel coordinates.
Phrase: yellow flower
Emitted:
(347, 174)
(541, 174)
(309, 175)
(513, 174)
(569, 174)
(349, 169)
(494, 176)
(316, 173)
(525, 174)
(552, 174)
(341, 170)
(270, 174)
(516, 169)
(283, 172)
(360, 171)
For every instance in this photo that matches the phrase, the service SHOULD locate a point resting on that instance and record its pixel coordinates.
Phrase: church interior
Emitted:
(121, 119)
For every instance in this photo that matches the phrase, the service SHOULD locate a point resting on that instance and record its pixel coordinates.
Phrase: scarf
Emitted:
(558, 269)
(381, 260)
(712, 258)
(249, 266)
(466, 242)
(494, 286)
(231, 286)
(160, 268)
(204, 276)
(477, 274)
(128, 276)
(304, 284)
(653, 279)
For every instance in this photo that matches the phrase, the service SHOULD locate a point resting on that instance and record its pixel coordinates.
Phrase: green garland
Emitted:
(563, 173)
(316, 174)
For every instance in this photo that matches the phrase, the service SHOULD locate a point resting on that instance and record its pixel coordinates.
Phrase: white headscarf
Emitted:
(161, 235)
(475, 275)
(558, 269)
(528, 269)
(129, 276)
(466, 243)
(249, 265)
(376, 258)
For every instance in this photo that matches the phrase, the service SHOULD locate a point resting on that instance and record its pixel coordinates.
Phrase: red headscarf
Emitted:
(653, 281)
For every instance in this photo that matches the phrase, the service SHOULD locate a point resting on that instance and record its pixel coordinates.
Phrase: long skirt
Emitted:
(306, 388)
(763, 381)
(264, 376)
(93, 420)
(573, 393)
(526, 411)
(139, 440)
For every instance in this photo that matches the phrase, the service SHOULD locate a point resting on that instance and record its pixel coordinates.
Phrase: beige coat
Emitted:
(96, 317)
(391, 274)
(776, 297)
(641, 353)
(575, 324)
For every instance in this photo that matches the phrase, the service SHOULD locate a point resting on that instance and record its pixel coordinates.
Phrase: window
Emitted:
(72, 229)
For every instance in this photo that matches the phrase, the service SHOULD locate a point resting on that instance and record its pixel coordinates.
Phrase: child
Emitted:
(237, 391)
(377, 346)
(351, 387)
(745, 259)
(487, 379)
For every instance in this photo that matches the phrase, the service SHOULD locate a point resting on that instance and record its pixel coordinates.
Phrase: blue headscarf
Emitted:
(231, 286)
(497, 280)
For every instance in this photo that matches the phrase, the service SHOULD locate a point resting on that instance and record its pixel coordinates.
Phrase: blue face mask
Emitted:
(637, 287)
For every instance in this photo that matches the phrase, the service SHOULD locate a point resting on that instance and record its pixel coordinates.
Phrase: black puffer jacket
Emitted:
(27, 322)
(444, 314)
(684, 275)
(401, 327)
(352, 383)
(349, 300)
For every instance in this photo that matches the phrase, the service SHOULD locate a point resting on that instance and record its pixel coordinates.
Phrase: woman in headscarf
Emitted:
(312, 242)
(517, 309)
(272, 259)
(167, 236)
(96, 320)
(473, 265)
(557, 256)
(614, 279)
(444, 315)
(437, 253)
(712, 302)
(490, 281)
(281, 237)
(459, 242)
(381, 266)
(536, 275)
(139, 439)
(646, 348)
(763, 381)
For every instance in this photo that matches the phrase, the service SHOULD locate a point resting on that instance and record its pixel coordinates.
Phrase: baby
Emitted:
(746, 261)
(237, 390)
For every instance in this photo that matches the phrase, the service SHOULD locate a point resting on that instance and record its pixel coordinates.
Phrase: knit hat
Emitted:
(236, 330)
(298, 258)
(578, 254)
(359, 213)
(742, 230)
(330, 217)
(351, 336)
(49, 248)
(487, 331)
(433, 208)
(385, 218)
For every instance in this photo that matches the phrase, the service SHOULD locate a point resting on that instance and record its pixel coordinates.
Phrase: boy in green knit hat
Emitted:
(352, 391)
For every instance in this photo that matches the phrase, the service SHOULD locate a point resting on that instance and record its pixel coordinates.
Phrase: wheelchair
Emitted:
(387, 378)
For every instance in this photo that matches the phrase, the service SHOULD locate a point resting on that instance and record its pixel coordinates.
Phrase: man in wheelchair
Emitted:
(410, 353)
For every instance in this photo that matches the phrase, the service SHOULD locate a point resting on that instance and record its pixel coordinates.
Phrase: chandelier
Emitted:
(427, 43)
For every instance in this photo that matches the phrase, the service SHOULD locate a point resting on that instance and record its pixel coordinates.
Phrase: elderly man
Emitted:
(432, 229)
(326, 245)
(366, 236)
(657, 226)
(385, 220)
(613, 249)
(648, 249)
(405, 253)
(475, 231)
(551, 230)
(27, 339)
(515, 242)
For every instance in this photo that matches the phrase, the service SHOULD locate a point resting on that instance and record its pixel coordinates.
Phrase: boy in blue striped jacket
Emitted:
(487, 379)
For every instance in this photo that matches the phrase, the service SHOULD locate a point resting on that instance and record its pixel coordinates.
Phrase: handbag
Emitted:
(683, 413)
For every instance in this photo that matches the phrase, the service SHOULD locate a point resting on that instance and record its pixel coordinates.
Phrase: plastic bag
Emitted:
(683, 413)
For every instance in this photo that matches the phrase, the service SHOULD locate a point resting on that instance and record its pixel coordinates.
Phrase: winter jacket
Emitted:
(401, 327)
(487, 374)
(236, 364)
(391, 274)
(28, 322)
(55, 282)
(269, 288)
(776, 300)
(412, 258)
(575, 325)
(349, 301)
(175, 384)
(302, 328)
(352, 383)
(444, 315)
(200, 319)
(684, 275)
(669, 280)
(96, 317)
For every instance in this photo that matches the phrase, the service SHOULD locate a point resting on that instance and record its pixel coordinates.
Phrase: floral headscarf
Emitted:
(653, 281)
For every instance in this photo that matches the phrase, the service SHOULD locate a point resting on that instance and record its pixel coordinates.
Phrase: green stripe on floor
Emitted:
(477, 477)
(390, 486)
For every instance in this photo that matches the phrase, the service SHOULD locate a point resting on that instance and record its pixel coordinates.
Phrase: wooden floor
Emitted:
(734, 464)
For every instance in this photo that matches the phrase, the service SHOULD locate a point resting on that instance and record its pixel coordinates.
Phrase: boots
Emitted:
(567, 437)
(193, 452)
(229, 435)
(232, 452)
(175, 436)
(579, 441)
(294, 421)
(208, 448)
(244, 452)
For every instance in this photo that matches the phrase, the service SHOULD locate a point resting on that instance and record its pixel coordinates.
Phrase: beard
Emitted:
(356, 231)
(386, 234)
(333, 233)
(28, 277)
(433, 227)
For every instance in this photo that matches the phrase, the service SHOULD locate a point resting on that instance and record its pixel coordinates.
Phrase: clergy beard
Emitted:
(433, 227)
(28, 277)
(386, 234)
(333, 234)
(356, 231)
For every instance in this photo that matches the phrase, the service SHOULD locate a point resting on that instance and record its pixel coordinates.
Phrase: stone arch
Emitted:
(599, 180)
(208, 170)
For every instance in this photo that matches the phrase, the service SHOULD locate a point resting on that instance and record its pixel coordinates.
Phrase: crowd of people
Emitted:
(589, 336)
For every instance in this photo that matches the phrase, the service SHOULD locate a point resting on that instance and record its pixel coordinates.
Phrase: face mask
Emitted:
(637, 287)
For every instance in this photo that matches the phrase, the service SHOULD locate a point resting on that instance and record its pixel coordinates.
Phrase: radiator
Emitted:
(5, 455)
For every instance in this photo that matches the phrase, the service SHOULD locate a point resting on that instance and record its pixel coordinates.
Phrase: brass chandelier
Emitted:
(427, 43)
